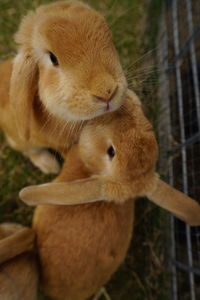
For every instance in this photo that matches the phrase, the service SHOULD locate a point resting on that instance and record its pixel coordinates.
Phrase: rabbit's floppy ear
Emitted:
(23, 87)
(182, 206)
(63, 193)
(16, 243)
(23, 84)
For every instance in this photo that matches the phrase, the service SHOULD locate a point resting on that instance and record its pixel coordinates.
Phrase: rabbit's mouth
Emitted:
(80, 105)
(117, 101)
(111, 107)
(93, 108)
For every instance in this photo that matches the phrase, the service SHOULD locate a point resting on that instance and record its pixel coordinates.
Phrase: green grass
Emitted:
(143, 275)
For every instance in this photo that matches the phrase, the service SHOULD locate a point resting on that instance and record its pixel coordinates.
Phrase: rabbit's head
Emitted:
(121, 149)
(66, 56)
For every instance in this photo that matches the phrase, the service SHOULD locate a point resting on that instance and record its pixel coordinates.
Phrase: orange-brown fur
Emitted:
(18, 278)
(43, 105)
(84, 244)
(80, 246)
(18, 269)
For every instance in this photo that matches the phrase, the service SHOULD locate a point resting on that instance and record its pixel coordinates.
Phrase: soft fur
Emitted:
(84, 244)
(18, 269)
(45, 105)
(81, 246)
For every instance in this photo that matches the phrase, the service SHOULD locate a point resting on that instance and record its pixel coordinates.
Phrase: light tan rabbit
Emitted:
(80, 246)
(66, 71)
(18, 268)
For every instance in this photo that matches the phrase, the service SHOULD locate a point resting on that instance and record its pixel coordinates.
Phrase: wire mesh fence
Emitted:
(179, 58)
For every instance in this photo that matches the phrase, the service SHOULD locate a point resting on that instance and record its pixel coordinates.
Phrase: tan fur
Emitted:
(23, 240)
(80, 246)
(182, 206)
(18, 269)
(19, 278)
(43, 105)
(84, 244)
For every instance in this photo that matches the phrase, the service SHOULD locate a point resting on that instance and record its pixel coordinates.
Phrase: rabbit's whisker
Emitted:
(129, 67)
(142, 69)
(42, 129)
(141, 57)
(143, 75)
(67, 139)
(69, 133)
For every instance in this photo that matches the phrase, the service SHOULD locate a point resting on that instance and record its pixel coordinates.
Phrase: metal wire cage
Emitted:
(179, 61)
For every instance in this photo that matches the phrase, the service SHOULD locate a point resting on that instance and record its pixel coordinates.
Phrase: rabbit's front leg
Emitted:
(40, 157)
(44, 160)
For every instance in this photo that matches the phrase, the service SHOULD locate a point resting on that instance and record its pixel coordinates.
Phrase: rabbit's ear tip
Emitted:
(25, 193)
(27, 197)
(22, 193)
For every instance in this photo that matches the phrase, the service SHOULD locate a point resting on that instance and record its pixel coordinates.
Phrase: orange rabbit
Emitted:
(115, 161)
(65, 73)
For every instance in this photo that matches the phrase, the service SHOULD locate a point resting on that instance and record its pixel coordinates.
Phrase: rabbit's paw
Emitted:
(44, 160)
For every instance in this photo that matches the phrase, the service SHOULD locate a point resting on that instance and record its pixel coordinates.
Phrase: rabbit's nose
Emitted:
(108, 95)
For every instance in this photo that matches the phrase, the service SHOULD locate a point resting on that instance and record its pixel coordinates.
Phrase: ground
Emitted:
(133, 23)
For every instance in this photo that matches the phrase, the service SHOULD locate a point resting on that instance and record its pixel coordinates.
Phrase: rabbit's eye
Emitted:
(53, 59)
(111, 152)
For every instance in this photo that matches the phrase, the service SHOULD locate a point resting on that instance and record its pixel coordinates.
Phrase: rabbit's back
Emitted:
(81, 246)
